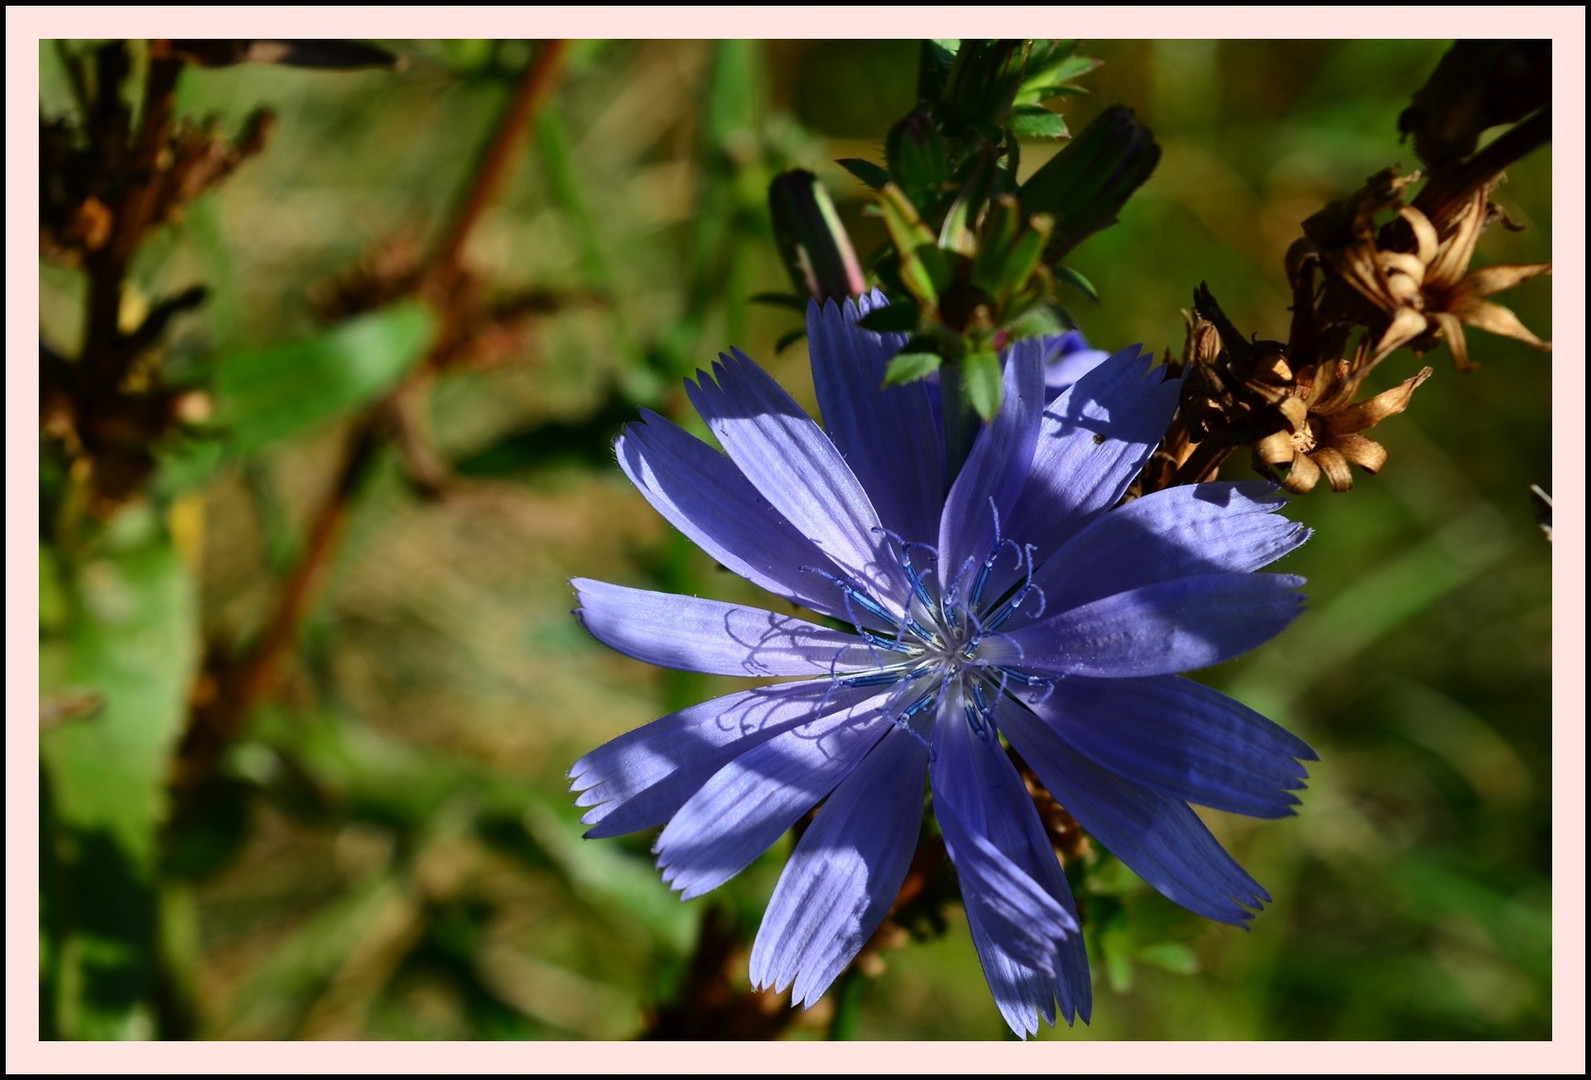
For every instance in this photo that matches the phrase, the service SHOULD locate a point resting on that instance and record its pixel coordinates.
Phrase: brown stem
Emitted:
(493, 169)
(107, 267)
(1447, 192)
(260, 670)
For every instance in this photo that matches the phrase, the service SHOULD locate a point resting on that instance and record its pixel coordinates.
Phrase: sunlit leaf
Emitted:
(131, 639)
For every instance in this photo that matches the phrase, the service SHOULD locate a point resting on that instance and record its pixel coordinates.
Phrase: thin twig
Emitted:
(495, 165)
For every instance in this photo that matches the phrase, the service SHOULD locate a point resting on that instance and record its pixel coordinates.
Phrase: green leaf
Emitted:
(1170, 956)
(53, 610)
(892, 319)
(186, 465)
(1035, 121)
(606, 878)
(131, 638)
(874, 176)
(1049, 93)
(909, 367)
(271, 393)
(1076, 281)
(1073, 67)
(980, 372)
(788, 339)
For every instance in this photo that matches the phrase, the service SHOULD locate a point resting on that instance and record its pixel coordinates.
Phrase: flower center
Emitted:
(939, 643)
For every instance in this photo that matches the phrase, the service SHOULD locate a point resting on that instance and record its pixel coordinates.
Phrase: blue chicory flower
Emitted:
(1018, 601)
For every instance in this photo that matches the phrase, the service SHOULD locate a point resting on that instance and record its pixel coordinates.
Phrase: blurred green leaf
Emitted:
(52, 594)
(788, 339)
(131, 637)
(874, 176)
(271, 393)
(788, 301)
(186, 465)
(1169, 956)
(610, 880)
(1076, 280)
(275, 1001)
(1037, 122)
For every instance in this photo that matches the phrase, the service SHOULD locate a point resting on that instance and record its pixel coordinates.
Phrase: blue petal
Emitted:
(1015, 895)
(641, 779)
(888, 435)
(1160, 629)
(1220, 528)
(996, 469)
(845, 872)
(750, 802)
(1094, 439)
(1183, 739)
(1067, 359)
(704, 496)
(792, 463)
(1157, 836)
(692, 634)
(1023, 994)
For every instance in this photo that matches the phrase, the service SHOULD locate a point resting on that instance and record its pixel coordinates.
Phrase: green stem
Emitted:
(961, 422)
(848, 993)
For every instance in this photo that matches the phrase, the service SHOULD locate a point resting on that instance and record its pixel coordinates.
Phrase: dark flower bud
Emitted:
(816, 250)
(1085, 185)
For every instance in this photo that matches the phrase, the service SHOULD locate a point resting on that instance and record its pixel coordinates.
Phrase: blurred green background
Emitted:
(390, 852)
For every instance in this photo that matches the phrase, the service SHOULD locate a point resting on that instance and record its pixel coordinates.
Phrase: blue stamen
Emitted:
(916, 579)
(875, 678)
(894, 645)
(852, 593)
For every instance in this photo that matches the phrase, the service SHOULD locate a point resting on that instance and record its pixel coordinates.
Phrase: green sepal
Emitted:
(1076, 280)
(909, 367)
(924, 269)
(1036, 122)
(873, 175)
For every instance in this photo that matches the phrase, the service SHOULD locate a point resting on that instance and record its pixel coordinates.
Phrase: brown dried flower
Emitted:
(1329, 439)
(1431, 292)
